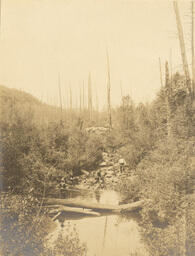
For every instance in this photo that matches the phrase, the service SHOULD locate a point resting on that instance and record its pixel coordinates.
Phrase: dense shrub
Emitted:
(163, 164)
(24, 228)
(33, 155)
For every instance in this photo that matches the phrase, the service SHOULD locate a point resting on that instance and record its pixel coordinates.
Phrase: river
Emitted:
(107, 235)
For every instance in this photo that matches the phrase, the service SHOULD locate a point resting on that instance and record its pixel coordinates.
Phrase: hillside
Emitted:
(9, 95)
(13, 100)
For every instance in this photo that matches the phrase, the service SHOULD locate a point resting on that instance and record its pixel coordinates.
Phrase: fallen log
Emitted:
(59, 208)
(75, 203)
(131, 206)
(55, 217)
(79, 203)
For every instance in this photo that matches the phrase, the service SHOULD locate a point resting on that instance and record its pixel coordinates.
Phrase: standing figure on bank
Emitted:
(122, 164)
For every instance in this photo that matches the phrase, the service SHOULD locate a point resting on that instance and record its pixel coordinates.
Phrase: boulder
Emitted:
(103, 164)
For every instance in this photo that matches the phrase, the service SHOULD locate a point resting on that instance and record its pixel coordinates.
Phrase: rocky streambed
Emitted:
(107, 176)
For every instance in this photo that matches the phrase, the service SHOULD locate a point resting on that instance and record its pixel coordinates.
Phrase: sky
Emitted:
(42, 40)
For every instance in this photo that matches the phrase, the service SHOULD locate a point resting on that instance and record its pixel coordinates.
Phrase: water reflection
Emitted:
(97, 196)
(108, 235)
(109, 197)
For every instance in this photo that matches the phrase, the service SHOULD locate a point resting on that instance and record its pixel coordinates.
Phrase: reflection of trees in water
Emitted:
(68, 242)
(97, 196)
(104, 237)
(135, 215)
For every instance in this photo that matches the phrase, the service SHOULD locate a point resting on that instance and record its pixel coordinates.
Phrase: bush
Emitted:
(165, 178)
(24, 228)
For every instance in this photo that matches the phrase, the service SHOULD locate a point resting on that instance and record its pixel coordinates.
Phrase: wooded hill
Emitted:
(13, 100)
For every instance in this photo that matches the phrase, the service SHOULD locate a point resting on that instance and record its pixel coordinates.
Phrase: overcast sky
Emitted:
(42, 38)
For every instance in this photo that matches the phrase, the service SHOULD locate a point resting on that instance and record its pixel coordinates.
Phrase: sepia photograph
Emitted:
(97, 128)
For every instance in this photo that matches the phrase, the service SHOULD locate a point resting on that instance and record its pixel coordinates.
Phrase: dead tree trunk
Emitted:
(108, 94)
(70, 99)
(192, 46)
(161, 80)
(80, 101)
(60, 96)
(168, 98)
(83, 103)
(83, 204)
(0, 15)
(97, 107)
(182, 46)
(90, 107)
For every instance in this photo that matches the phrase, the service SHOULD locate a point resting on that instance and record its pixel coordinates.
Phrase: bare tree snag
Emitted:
(108, 94)
(90, 107)
(192, 46)
(182, 46)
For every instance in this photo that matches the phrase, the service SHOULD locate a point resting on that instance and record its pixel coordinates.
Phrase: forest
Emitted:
(48, 150)
(42, 144)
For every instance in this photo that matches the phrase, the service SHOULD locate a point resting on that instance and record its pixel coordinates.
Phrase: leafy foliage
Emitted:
(23, 230)
(164, 170)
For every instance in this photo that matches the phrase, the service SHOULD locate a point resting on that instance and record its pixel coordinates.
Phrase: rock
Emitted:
(103, 164)
(97, 130)
(86, 173)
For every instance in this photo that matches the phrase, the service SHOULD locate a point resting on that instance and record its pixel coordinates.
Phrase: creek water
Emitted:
(107, 235)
